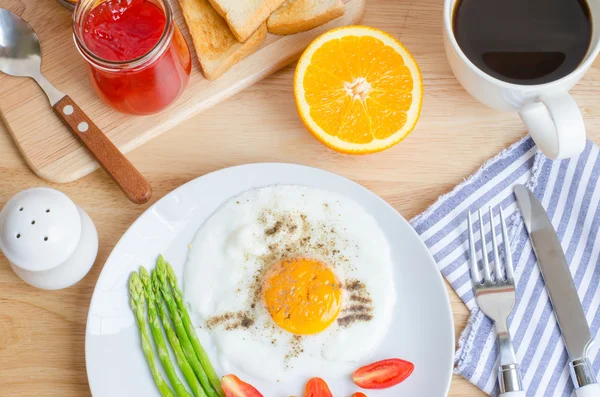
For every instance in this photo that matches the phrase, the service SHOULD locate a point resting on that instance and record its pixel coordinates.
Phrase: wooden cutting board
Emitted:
(54, 154)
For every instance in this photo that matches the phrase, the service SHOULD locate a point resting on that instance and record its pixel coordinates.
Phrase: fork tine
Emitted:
(486, 263)
(472, 253)
(510, 277)
(497, 270)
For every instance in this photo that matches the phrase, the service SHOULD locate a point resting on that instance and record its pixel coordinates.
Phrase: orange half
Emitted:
(358, 90)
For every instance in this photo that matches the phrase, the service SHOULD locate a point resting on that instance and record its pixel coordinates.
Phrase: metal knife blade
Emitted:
(556, 274)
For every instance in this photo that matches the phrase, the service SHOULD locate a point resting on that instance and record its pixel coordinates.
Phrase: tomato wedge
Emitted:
(383, 374)
(359, 394)
(234, 387)
(316, 387)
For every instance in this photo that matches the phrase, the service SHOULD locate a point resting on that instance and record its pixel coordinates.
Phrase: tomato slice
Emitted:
(359, 394)
(234, 387)
(383, 374)
(316, 387)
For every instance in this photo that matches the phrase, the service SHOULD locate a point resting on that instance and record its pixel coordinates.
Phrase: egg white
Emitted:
(228, 252)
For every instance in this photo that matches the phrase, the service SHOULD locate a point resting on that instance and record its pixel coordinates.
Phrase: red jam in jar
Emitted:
(139, 62)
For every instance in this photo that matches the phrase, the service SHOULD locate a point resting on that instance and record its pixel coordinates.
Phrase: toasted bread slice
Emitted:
(245, 16)
(296, 16)
(216, 47)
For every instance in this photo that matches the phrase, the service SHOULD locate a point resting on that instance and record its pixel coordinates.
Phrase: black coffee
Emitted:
(524, 41)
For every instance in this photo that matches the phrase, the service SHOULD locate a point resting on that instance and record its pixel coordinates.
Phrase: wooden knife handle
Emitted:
(129, 179)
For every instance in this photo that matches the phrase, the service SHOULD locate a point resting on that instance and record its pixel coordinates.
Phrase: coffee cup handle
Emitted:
(556, 125)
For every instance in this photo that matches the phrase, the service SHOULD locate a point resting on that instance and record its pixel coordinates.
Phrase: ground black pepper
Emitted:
(361, 312)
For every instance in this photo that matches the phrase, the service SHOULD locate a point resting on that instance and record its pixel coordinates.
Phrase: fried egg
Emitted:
(290, 282)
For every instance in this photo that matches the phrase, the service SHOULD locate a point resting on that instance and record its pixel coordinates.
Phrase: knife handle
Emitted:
(591, 390)
(129, 179)
(509, 380)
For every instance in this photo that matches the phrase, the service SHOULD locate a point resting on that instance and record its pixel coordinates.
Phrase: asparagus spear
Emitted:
(185, 366)
(159, 340)
(136, 301)
(189, 327)
(185, 330)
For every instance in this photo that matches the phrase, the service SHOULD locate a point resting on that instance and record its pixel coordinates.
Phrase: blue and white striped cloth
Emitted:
(570, 192)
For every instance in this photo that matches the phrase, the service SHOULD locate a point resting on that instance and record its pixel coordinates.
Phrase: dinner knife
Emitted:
(561, 288)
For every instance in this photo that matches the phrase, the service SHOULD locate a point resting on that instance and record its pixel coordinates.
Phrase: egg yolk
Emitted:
(302, 295)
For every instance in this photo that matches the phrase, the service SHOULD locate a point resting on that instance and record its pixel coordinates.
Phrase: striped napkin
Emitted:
(570, 192)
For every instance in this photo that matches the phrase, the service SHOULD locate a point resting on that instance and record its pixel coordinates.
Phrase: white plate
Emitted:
(422, 330)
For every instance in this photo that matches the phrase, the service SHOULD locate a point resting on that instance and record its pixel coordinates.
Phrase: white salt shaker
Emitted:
(49, 241)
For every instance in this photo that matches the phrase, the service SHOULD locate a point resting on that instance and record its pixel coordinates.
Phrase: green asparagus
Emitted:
(159, 340)
(182, 358)
(185, 330)
(136, 301)
(189, 327)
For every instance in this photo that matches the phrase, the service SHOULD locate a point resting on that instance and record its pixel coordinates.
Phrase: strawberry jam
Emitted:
(139, 62)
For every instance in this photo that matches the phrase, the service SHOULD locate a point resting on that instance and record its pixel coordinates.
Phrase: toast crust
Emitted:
(216, 47)
(296, 16)
(243, 28)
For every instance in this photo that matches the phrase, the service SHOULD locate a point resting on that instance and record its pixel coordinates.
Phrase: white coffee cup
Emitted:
(549, 111)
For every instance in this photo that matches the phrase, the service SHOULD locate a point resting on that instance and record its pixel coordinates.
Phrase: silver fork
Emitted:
(496, 299)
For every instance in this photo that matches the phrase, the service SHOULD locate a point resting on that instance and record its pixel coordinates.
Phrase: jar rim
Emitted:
(160, 46)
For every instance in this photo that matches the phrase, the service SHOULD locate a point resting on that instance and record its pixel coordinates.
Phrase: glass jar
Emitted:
(146, 84)
(70, 4)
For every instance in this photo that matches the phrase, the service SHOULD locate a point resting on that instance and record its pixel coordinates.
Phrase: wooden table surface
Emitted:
(42, 332)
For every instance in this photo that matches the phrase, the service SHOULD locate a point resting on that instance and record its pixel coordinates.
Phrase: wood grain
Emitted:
(129, 180)
(42, 332)
(50, 149)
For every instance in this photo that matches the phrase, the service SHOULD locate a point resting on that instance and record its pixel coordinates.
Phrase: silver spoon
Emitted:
(21, 56)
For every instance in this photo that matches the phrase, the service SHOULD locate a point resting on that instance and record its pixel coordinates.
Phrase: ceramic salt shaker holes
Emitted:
(49, 241)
